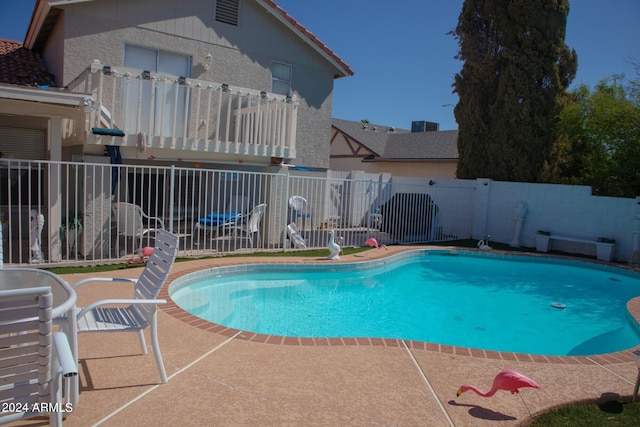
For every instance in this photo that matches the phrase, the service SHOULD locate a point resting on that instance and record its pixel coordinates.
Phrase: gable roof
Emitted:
(20, 66)
(44, 16)
(307, 36)
(371, 136)
(388, 143)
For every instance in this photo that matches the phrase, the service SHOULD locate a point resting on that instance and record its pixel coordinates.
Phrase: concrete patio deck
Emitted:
(225, 377)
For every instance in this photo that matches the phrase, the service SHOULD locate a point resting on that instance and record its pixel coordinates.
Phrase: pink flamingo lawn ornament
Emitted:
(373, 243)
(141, 255)
(506, 380)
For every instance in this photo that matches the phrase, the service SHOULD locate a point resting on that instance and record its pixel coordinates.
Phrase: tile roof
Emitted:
(394, 143)
(21, 66)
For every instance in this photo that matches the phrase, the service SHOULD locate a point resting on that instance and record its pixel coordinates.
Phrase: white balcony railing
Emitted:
(149, 110)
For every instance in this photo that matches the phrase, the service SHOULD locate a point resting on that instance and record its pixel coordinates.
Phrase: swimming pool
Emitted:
(494, 302)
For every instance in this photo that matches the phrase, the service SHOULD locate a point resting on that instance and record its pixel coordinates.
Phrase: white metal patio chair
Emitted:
(248, 224)
(141, 312)
(132, 222)
(34, 361)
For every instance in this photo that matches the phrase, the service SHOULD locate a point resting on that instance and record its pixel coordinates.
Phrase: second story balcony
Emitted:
(141, 109)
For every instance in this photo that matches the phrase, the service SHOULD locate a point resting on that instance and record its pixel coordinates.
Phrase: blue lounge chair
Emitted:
(235, 209)
(217, 219)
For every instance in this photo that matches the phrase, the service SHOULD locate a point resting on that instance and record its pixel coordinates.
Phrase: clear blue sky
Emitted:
(403, 57)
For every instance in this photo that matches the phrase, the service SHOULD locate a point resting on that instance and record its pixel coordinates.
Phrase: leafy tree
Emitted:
(516, 70)
(599, 139)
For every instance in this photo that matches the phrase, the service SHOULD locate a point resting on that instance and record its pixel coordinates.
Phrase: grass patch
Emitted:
(472, 243)
(612, 413)
(316, 253)
(312, 253)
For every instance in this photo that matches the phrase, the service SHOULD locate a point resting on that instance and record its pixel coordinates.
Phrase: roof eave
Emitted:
(38, 16)
(51, 96)
(41, 14)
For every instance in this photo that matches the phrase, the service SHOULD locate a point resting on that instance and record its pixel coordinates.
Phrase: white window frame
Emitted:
(277, 79)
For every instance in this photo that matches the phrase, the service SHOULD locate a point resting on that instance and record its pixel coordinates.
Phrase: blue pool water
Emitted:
(493, 303)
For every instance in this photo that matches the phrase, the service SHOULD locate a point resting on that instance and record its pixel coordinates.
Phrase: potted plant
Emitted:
(70, 229)
(605, 247)
(542, 240)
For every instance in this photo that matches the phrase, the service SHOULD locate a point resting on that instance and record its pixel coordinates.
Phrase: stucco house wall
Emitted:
(242, 56)
(53, 53)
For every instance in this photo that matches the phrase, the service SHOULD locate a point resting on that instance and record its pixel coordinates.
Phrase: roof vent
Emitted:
(227, 11)
(424, 126)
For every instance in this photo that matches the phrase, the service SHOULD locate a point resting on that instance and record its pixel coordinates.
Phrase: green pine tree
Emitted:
(511, 86)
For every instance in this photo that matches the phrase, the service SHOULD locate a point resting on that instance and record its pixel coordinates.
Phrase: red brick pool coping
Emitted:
(171, 308)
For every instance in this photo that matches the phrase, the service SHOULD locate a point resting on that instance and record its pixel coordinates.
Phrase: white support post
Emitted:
(55, 190)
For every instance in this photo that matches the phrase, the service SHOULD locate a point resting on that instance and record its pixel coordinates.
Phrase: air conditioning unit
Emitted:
(424, 126)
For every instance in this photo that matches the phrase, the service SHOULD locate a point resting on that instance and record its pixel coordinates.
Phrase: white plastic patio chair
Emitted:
(34, 361)
(296, 237)
(249, 224)
(132, 222)
(300, 209)
(141, 312)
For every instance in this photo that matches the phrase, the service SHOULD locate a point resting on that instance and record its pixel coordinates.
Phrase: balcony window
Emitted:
(164, 99)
